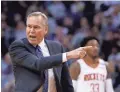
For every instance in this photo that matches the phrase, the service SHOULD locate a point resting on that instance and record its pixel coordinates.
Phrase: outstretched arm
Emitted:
(22, 57)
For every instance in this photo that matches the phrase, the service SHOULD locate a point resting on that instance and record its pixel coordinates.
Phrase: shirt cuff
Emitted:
(64, 58)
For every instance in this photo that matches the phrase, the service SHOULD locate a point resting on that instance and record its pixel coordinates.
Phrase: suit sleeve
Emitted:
(20, 56)
(66, 80)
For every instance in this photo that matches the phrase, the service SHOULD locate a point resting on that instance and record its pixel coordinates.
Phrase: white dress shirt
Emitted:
(51, 78)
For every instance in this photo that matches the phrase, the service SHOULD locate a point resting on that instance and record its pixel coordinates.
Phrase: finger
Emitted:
(84, 48)
(87, 48)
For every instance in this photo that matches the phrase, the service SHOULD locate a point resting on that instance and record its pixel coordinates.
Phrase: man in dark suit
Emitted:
(40, 65)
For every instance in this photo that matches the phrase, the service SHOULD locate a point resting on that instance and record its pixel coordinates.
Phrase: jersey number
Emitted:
(94, 87)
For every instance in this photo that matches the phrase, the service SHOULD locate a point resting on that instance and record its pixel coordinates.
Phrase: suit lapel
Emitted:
(50, 47)
(56, 70)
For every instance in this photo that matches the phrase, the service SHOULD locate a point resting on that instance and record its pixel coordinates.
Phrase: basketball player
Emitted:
(91, 74)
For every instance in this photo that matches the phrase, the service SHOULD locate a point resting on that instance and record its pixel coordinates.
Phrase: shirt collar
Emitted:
(42, 43)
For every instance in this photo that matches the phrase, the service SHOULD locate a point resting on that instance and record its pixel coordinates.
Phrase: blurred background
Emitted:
(69, 22)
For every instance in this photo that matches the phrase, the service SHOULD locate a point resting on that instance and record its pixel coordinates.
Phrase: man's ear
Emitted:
(46, 30)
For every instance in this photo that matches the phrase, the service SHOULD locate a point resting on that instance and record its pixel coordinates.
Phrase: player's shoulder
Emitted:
(80, 60)
(103, 62)
(109, 65)
(74, 70)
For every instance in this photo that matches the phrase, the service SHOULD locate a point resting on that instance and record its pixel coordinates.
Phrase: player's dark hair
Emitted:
(86, 39)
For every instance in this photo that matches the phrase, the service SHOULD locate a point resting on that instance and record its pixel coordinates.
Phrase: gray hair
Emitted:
(39, 14)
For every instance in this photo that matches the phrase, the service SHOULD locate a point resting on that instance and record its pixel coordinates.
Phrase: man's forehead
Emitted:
(34, 20)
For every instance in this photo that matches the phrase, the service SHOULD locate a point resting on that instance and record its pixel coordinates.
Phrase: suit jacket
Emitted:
(27, 67)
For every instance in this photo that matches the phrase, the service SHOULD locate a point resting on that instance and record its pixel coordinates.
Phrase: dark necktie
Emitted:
(45, 72)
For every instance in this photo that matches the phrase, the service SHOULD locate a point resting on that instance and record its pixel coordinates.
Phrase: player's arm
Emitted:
(108, 81)
(74, 73)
